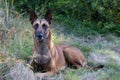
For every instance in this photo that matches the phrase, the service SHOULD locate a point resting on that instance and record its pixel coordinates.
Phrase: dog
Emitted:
(48, 57)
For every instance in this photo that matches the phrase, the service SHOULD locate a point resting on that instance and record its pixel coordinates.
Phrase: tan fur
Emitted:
(61, 55)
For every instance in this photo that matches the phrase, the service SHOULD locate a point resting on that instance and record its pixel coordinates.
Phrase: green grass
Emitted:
(21, 47)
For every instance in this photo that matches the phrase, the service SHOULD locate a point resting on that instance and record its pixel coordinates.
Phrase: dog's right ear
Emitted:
(33, 16)
(48, 15)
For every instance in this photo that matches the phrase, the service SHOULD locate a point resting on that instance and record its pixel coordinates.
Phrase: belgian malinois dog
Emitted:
(47, 56)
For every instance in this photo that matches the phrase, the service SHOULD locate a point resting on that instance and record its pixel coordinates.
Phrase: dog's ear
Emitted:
(48, 16)
(33, 16)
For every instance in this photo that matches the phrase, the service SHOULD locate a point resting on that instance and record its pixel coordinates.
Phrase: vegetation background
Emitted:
(103, 13)
(90, 25)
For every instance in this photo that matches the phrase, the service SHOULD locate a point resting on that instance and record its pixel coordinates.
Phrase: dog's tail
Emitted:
(94, 67)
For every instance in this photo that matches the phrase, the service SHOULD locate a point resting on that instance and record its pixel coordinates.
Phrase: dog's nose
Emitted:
(39, 35)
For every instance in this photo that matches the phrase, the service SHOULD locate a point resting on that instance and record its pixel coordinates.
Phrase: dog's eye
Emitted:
(44, 26)
(36, 26)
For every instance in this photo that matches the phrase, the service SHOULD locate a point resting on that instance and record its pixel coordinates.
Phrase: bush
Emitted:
(104, 12)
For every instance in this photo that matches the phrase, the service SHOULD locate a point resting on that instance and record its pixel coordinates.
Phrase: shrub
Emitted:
(104, 12)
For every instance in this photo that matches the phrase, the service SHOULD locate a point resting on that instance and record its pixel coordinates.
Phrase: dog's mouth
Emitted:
(40, 39)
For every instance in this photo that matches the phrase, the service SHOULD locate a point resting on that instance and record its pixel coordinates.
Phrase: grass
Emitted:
(16, 44)
(97, 44)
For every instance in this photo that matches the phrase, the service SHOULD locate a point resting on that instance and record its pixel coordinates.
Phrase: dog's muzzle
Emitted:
(40, 36)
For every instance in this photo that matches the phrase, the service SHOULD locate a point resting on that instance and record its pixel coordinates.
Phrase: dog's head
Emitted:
(41, 26)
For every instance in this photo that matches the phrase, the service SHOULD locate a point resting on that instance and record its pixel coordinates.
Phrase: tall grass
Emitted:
(16, 36)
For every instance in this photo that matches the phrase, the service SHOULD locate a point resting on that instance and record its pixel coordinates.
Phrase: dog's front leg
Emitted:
(53, 66)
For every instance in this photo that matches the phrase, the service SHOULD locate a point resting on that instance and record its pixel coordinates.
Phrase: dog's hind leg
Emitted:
(74, 57)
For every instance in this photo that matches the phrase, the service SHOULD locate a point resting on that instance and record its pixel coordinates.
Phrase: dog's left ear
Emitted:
(48, 16)
(33, 16)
